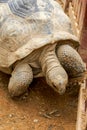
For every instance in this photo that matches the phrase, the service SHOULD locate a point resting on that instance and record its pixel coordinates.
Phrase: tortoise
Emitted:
(36, 40)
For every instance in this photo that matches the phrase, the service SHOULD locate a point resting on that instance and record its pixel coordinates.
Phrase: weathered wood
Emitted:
(83, 30)
(79, 24)
(74, 22)
(80, 13)
(78, 16)
(65, 4)
(82, 110)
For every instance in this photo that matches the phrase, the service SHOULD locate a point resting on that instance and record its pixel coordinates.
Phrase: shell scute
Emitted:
(31, 25)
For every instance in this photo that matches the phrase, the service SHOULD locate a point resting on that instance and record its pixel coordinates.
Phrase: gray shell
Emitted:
(28, 25)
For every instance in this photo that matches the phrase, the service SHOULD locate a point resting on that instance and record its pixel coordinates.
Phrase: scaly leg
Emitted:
(22, 76)
(70, 60)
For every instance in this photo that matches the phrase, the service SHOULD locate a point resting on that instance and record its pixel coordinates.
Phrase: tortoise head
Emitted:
(59, 85)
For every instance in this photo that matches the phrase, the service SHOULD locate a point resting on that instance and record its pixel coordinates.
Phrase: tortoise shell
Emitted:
(28, 25)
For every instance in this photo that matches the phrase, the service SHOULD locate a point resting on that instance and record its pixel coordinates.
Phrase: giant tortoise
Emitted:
(36, 40)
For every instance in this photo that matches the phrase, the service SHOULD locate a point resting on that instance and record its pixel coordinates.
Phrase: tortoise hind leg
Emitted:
(22, 76)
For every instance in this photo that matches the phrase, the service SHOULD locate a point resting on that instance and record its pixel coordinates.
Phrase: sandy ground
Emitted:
(39, 109)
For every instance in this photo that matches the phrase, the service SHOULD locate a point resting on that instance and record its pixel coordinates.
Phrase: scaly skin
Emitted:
(22, 76)
(70, 60)
(55, 75)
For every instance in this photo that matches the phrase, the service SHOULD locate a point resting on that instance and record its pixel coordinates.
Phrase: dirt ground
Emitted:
(39, 109)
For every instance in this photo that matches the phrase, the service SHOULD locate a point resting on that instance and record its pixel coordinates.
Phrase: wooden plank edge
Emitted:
(81, 123)
(73, 20)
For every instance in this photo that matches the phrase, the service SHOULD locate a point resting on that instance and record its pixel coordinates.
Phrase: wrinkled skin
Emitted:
(57, 63)
(56, 67)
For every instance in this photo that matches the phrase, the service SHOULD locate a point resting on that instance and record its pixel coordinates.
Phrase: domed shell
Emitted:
(31, 24)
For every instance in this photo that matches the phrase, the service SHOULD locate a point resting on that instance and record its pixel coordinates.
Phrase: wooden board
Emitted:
(82, 110)
(74, 20)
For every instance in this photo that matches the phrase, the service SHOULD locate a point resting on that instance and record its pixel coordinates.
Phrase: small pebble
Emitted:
(35, 120)
(10, 115)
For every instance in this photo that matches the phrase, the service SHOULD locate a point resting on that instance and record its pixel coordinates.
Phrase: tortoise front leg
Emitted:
(22, 76)
(70, 60)
(55, 75)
